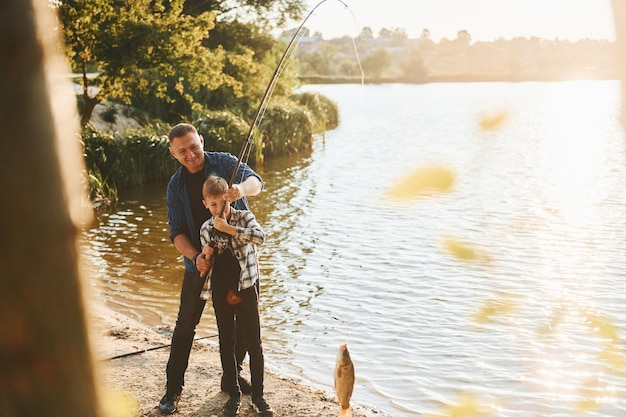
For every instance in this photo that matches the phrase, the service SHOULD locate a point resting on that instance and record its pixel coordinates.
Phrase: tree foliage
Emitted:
(146, 53)
(375, 63)
(262, 12)
(159, 55)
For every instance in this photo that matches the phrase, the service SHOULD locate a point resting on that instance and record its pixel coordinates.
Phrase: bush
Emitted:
(324, 111)
(222, 131)
(137, 158)
(286, 129)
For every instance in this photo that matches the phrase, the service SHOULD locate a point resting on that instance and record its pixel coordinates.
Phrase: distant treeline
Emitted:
(392, 57)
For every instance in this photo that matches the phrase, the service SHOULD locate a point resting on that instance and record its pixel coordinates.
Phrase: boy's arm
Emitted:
(248, 230)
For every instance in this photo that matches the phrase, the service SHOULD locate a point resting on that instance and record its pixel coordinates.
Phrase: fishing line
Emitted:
(362, 73)
(295, 40)
(260, 112)
(347, 329)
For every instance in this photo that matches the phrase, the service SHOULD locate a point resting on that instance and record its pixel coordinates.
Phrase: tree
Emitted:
(157, 54)
(396, 36)
(366, 33)
(320, 61)
(348, 68)
(463, 37)
(426, 46)
(261, 12)
(413, 67)
(44, 352)
(249, 59)
(376, 63)
(150, 52)
(81, 25)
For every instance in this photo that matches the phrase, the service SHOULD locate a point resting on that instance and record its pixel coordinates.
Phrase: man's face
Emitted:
(188, 150)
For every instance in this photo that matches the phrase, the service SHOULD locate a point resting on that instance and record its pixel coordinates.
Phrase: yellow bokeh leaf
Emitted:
(604, 327)
(612, 356)
(468, 405)
(119, 403)
(492, 308)
(492, 121)
(465, 251)
(424, 181)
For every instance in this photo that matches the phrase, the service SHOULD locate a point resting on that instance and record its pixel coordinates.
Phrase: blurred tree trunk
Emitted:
(619, 17)
(46, 366)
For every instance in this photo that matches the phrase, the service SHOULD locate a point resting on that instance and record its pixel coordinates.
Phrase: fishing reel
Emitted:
(220, 241)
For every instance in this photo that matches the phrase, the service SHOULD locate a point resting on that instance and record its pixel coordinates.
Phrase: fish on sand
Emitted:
(344, 380)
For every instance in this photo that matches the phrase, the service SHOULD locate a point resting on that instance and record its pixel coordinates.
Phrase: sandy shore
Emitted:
(133, 385)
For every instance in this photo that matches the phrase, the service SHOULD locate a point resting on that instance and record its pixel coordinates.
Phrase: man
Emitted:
(186, 213)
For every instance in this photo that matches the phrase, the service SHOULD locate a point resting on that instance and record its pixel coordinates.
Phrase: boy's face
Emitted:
(214, 203)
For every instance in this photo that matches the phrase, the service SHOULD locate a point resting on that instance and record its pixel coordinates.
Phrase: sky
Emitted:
(485, 20)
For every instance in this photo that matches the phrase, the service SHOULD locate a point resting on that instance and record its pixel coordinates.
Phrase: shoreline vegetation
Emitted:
(122, 153)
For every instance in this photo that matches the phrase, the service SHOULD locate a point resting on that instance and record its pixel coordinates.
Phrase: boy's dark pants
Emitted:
(189, 313)
(247, 313)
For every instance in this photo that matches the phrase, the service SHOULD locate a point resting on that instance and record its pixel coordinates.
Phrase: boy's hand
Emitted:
(220, 224)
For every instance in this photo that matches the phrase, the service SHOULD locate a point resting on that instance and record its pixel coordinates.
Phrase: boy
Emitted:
(229, 256)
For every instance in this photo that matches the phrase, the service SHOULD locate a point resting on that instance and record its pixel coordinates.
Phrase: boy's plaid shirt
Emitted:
(244, 243)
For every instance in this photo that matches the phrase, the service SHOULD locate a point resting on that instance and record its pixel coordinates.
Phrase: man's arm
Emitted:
(250, 187)
(184, 246)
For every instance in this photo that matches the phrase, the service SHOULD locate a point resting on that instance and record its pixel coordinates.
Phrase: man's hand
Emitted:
(234, 193)
(203, 262)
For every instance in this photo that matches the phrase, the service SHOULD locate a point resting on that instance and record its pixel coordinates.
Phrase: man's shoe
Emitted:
(262, 407)
(167, 405)
(244, 386)
(231, 408)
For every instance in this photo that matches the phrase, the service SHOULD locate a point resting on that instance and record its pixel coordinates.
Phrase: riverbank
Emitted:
(133, 385)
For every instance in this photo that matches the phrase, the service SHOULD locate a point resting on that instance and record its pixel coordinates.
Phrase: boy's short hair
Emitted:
(214, 186)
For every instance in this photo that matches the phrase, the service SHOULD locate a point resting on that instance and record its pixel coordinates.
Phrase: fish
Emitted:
(344, 380)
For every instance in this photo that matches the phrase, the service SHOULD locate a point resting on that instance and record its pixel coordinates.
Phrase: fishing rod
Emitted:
(260, 112)
(139, 352)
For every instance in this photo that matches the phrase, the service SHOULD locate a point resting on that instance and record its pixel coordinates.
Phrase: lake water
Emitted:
(540, 192)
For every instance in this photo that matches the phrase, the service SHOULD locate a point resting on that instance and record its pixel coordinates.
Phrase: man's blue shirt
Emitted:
(179, 213)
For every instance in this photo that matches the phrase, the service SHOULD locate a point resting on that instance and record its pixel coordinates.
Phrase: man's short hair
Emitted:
(181, 129)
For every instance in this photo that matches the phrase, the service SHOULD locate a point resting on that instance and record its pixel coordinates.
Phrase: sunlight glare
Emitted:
(571, 373)
(572, 155)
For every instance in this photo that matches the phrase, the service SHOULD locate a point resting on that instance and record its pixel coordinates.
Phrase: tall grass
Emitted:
(132, 159)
